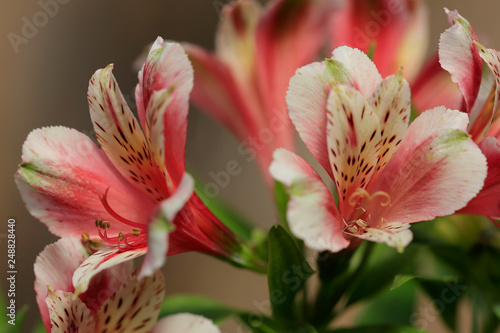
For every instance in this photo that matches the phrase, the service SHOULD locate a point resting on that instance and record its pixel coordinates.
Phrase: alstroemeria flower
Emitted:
(461, 54)
(398, 31)
(116, 298)
(136, 184)
(243, 84)
(387, 174)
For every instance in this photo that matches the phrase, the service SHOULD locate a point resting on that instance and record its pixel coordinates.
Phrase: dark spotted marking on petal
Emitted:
(68, 315)
(136, 305)
(117, 132)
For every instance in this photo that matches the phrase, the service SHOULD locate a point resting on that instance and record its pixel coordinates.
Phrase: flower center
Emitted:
(123, 241)
(356, 227)
(363, 202)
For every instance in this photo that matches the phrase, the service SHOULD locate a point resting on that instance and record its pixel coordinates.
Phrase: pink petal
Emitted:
(311, 212)
(398, 29)
(306, 100)
(163, 224)
(354, 68)
(165, 81)
(392, 104)
(435, 172)
(62, 177)
(68, 314)
(54, 266)
(135, 307)
(309, 89)
(98, 262)
(235, 38)
(487, 201)
(459, 55)
(217, 92)
(353, 137)
(487, 105)
(121, 137)
(185, 323)
(289, 35)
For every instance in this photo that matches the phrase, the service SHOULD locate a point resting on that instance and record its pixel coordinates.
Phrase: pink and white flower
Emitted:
(386, 174)
(115, 299)
(462, 56)
(131, 193)
(243, 84)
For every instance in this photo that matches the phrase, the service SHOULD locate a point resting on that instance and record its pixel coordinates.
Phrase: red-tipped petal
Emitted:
(165, 82)
(62, 177)
(487, 202)
(459, 55)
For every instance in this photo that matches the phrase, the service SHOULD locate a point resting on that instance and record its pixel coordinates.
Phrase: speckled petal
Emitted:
(54, 266)
(392, 104)
(353, 137)
(68, 314)
(98, 262)
(121, 136)
(134, 307)
(165, 81)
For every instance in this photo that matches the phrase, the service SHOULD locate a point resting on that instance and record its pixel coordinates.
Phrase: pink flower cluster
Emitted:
(385, 170)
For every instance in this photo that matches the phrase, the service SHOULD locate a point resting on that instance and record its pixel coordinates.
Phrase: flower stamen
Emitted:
(119, 241)
(104, 201)
(356, 227)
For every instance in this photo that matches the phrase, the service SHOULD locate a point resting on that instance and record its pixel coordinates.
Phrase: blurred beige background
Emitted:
(45, 83)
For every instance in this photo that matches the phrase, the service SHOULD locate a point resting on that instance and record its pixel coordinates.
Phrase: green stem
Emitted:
(332, 291)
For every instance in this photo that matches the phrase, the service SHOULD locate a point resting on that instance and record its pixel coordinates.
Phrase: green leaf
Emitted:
(197, 305)
(380, 270)
(288, 272)
(445, 291)
(399, 280)
(392, 307)
(337, 271)
(378, 329)
(496, 310)
(281, 196)
(258, 323)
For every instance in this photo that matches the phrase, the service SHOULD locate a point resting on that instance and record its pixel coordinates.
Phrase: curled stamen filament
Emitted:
(383, 194)
(104, 201)
(362, 193)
